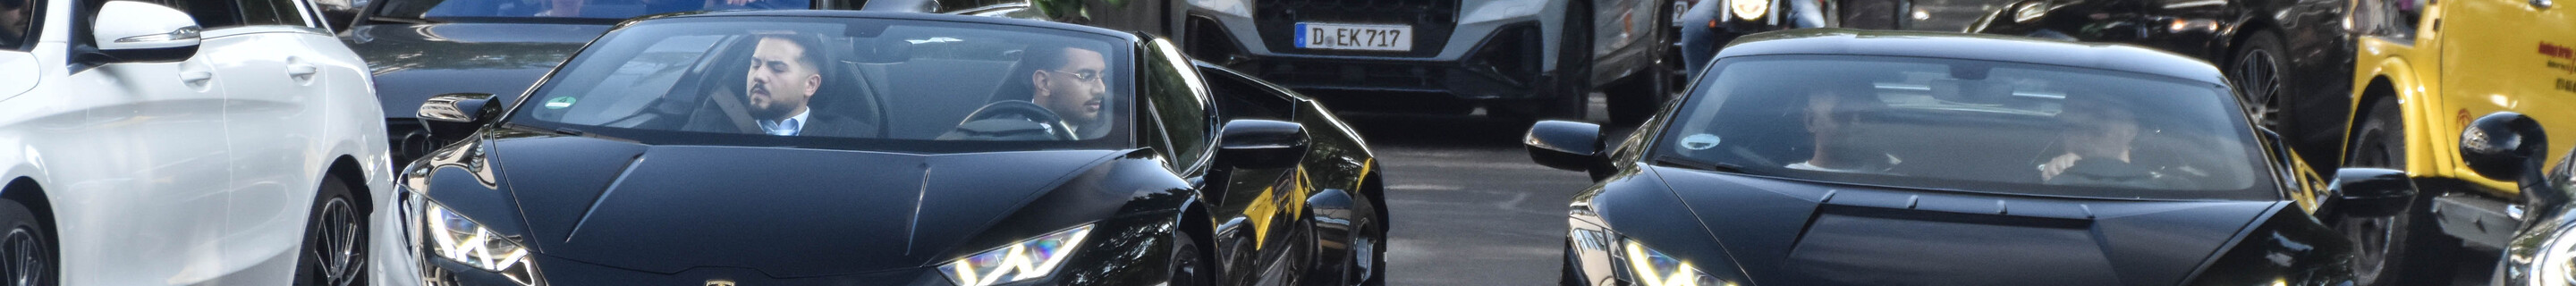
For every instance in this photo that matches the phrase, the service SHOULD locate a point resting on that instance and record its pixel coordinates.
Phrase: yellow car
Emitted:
(2455, 93)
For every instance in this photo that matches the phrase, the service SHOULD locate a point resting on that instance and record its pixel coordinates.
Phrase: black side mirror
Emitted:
(458, 108)
(2504, 146)
(2371, 191)
(1566, 145)
(1261, 144)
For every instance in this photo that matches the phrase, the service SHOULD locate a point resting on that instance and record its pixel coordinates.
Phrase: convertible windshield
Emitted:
(869, 82)
(567, 9)
(1969, 125)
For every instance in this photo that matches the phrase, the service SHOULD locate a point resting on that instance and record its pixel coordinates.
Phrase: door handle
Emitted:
(302, 72)
(197, 79)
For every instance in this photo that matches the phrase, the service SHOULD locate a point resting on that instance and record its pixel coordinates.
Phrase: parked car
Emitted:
(217, 143)
(421, 48)
(826, 147)
(2413, 102)
(1859, 157)
(1518, 58)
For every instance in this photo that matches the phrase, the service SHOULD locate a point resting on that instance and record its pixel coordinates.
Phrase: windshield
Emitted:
(567, 9)
(868, 83)
(1968, 125)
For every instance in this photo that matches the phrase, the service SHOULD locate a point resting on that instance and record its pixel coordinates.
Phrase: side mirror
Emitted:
(133, 31)
(2371, 191)
(458, 108)
(1566, 145)
(2504, 146)
(1261, 144)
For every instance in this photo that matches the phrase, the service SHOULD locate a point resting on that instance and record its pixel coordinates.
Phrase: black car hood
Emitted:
(412, 62)
(1784, 232)
(783, 211)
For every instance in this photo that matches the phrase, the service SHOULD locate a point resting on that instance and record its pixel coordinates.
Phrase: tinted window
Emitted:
(1969, 125)
(213, 14)
(17, 23)
(1175, 90)
(473, 10)
(1240, 97)
(867, 84)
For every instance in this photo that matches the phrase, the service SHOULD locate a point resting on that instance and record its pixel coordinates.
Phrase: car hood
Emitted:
(1782, 232)
(412, 62)
(783, 211)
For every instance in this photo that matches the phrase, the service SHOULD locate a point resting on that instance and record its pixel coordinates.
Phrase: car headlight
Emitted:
(1652, 268)
(1749, 9)
(1024, 260)
(460, 239)
(2550, 265)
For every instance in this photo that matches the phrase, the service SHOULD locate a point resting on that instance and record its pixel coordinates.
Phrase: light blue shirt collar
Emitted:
(788, 127)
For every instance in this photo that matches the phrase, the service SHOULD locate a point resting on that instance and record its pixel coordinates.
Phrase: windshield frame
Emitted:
(2265, 185)
(1126, 137)
(383, 10)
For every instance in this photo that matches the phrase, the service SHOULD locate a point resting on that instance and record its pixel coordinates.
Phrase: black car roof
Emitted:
(1130, 37)
(1835, 41)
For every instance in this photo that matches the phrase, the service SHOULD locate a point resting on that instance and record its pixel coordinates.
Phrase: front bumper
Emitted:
(559, 271)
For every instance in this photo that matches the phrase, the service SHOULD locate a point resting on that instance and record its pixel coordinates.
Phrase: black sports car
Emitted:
(873, 148)
(1849, 157)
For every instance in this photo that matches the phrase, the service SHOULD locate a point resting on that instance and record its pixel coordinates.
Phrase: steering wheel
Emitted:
(1030, 111)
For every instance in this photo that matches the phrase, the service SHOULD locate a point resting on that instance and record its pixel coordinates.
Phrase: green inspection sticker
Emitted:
(559, 102)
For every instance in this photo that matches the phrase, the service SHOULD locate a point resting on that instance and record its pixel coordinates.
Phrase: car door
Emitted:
(271, 131)
(138, 152)
(2509, 55)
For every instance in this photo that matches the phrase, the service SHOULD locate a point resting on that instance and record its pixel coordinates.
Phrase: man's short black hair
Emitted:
(1040, 56)
(811, 54)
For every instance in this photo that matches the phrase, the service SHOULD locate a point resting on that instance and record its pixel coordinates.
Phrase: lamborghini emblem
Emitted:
(719, 282)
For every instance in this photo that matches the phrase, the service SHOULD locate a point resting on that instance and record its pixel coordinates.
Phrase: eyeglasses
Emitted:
(1081, 75)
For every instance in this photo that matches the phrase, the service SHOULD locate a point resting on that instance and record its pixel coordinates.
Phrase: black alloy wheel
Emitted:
(2407, 247)
(30, 260)
(1190, 265)
(335, 239)
(2261, 79)
(1371, 243)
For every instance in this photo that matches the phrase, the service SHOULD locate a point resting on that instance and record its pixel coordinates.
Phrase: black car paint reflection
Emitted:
(600, 210)
(1740, 227)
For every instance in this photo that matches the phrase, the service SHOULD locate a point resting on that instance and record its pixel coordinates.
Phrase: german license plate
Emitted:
(1397, 38)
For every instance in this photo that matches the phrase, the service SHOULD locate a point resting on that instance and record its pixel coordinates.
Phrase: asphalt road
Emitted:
(1469, 207)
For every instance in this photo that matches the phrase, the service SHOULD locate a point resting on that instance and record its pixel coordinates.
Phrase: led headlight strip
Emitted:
(1653, 268)
(1024, 260)
(457, 238)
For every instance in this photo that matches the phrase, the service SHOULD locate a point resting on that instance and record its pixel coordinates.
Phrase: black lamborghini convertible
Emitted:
(1846, 157)
(865, 148)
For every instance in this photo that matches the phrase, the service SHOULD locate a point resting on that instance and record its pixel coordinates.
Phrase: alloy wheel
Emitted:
(335, 243)
(27, 263)
(2259, 75)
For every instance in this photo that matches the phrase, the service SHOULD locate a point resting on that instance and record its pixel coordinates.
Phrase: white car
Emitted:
(139, 148)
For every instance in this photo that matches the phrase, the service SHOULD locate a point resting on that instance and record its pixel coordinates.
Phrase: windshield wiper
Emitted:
(1696, 164)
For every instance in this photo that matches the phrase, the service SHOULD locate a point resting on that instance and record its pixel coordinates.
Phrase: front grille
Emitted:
(1432, 21)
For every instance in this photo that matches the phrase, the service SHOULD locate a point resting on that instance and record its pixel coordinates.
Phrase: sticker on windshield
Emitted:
(559, 102)
(1697, 142)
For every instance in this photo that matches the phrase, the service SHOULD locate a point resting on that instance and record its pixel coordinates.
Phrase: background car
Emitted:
(2416, 96)
(1523, 58)
(1901, 157)
(420, 48)
(641, 161)
(219, 143)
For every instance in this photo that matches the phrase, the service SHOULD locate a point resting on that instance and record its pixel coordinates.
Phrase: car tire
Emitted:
(2407, 247)
(31, 257)
(334, 251)
(1190, 264)
(1565, 275)
(2258, 72)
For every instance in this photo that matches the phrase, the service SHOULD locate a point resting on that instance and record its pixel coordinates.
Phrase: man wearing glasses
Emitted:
(1064, 80)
